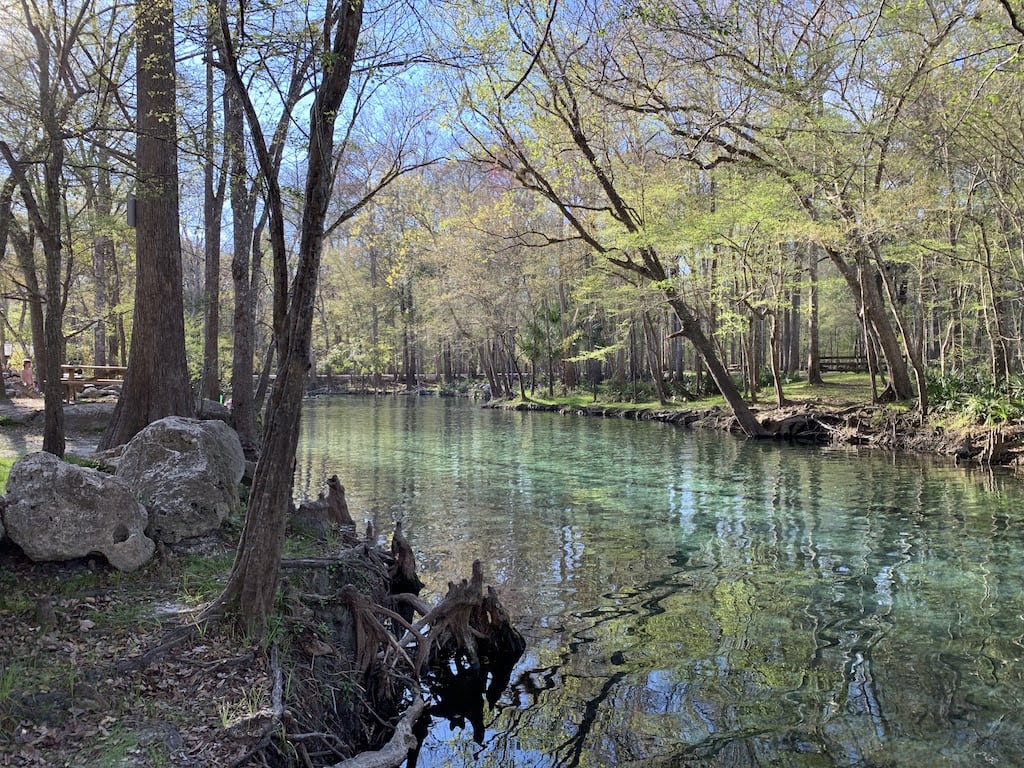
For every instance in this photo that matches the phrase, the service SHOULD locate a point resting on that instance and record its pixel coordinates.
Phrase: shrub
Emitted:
(974, 394)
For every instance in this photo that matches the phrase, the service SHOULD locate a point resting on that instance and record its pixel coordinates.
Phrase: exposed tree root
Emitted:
(355, 659)
(396, 751)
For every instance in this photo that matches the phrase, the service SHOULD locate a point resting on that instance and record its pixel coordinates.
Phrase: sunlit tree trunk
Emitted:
(243, 403)
(813, 327)
(102, 261)
(6, 200)
(213, 204)
(252, 583)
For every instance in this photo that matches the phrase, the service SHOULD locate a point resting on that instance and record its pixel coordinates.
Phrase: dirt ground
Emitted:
(67, 630)
(21, 426)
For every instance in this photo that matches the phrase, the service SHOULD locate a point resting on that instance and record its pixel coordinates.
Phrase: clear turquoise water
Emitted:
(691, 599)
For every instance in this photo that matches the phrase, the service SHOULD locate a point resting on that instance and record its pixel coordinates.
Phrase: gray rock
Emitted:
(87, 417)
(211, 409)
(186, 472)
(98, 393)
(59, 511)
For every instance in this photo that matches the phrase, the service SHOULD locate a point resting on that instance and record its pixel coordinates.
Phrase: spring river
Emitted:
(692, 599)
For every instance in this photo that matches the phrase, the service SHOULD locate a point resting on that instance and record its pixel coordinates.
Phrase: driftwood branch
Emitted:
(396, 751)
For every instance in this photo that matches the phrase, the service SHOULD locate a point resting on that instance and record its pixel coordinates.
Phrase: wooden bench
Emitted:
(75, 379)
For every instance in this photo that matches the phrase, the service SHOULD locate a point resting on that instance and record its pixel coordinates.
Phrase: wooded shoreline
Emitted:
(870, 426)
(855, 425)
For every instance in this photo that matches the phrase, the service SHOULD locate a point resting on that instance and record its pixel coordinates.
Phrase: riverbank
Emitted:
(872, 426)
(827, 420)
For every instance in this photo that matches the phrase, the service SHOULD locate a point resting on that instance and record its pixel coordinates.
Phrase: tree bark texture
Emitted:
(213, 207)
(243, 406)
(157, 382)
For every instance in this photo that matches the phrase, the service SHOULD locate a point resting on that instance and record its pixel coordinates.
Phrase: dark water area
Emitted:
(691, 599)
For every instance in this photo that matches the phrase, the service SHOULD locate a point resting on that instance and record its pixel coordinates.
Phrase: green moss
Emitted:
(81, 461)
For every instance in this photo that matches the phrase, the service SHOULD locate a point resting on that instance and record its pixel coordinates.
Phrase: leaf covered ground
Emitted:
(67, 632)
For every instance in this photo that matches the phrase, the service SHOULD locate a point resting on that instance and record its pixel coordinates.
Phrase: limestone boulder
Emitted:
(60, 511)
(211, 409)
(186, 473)
(87, 417)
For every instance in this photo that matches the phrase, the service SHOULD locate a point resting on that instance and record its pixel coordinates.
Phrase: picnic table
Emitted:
(77, 377)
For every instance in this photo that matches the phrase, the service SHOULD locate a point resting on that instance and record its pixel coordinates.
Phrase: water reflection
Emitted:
(690, 599)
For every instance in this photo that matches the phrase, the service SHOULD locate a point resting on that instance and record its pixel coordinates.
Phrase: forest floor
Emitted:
(67, 629)
(66, 700)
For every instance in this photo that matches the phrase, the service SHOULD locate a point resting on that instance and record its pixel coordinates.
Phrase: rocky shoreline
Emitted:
(870, 426)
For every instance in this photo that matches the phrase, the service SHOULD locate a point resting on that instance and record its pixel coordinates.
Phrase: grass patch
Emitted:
(201, 577)
(5, 470)
(838, 390)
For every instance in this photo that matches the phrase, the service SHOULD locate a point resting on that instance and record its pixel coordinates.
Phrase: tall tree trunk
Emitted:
(689, 328)
(45, 215)
(101, 200)
(53, 322)
(377, 361)
(243, 348)
(213, 204)
(654, 358)
(117, 340)
(813, 327)
(487, 357)
(252, 583)
(405, 307)
(24, 250)
(775, 357)
(998, 337)
(6, 200)
(157, 383)
(862, 284)
(792, 338)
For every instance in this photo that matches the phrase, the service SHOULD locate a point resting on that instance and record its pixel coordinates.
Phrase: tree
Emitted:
(252, 584)
(157, 382)
(256, 50)
(213, 208)
(549, 132)
(6, 199)
(820, 96)
(55, 36)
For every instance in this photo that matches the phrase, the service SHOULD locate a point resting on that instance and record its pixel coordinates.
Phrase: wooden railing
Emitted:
(77, 377)
(847, 364)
